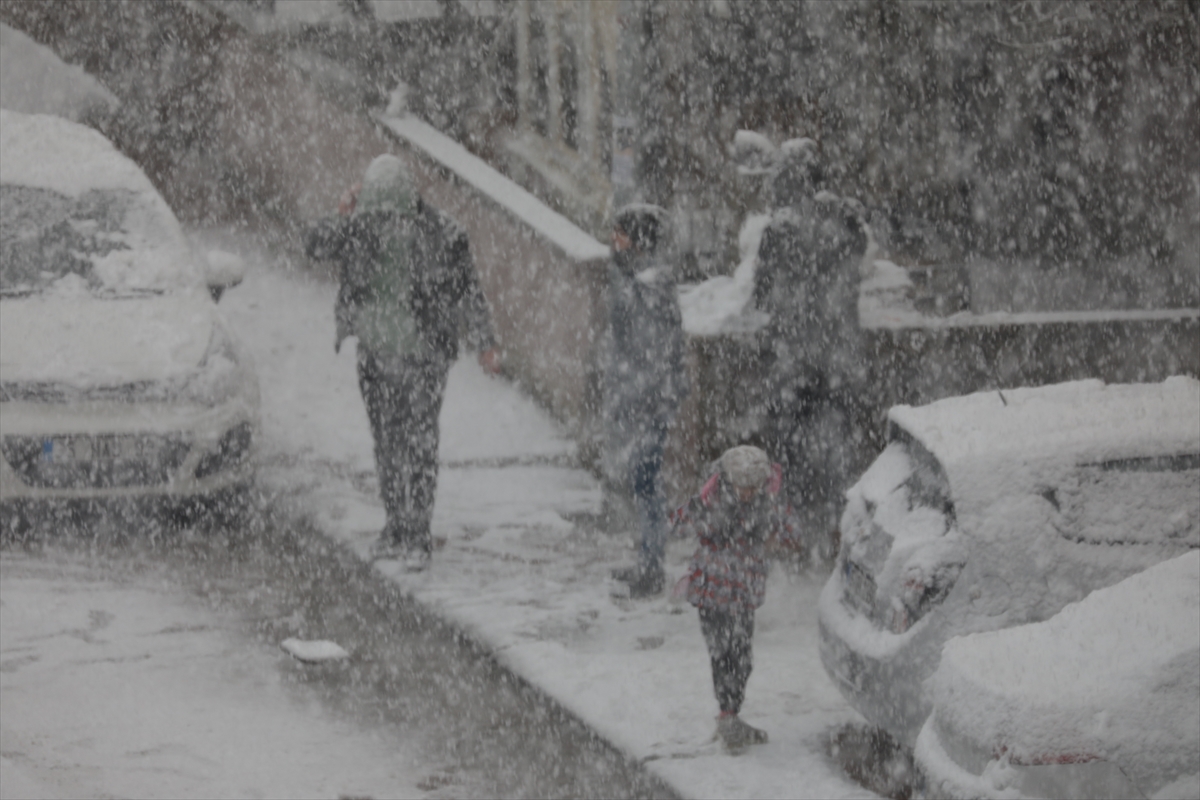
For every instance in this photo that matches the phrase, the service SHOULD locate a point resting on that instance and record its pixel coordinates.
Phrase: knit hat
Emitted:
(798, 173)
(644, 223)
(746, 467)
(387, 186)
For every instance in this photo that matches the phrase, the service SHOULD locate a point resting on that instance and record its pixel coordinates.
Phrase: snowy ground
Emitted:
(116, 684)
(515, 570)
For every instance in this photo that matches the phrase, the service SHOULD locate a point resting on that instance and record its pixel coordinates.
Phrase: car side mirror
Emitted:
(222, 270)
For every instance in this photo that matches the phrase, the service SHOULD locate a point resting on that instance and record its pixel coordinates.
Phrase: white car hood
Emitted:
(84, 341)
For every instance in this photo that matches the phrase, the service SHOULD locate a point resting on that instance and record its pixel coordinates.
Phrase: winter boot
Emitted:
(644, 584)
(737, 735)
(385, 547)
(396, 543)
(416, 559)
(641, 584)
(625, 574)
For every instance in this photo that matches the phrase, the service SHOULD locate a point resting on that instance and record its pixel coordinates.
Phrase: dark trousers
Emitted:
(729, 636)
(403, 397)
(651, 504)
(820, 442)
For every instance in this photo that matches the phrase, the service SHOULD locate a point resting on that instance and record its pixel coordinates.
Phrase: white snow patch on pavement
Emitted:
(314, 651)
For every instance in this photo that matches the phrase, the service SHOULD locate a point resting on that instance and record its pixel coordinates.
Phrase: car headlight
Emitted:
(923, 589)
(220, 374)
(232, 449)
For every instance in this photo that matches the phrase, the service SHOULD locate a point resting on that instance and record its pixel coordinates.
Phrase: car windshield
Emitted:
(106, 242)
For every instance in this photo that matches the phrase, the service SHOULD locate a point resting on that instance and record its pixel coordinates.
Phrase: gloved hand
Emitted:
(349, 200)
(342, 329)
(490, 360)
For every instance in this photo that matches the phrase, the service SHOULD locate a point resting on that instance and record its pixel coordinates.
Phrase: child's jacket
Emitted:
(728, 571)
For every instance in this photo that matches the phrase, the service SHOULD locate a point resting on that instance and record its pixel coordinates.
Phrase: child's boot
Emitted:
(736, 734)
(641, 583)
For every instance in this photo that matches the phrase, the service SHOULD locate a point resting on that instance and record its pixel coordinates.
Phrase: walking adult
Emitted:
(644, 379)
(807, 280)
(408, 291)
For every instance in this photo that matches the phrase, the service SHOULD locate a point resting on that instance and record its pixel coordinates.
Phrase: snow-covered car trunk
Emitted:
(1101, 700)
(997, 509)
(118, 375)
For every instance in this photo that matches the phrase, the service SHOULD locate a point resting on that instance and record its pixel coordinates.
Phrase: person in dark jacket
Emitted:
(407, 291)
(806, 279)
(644, 379)
(738, 513)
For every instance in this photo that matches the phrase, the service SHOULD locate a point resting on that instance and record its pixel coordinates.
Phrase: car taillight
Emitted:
(1068, 774)
(1044, 759)
(920, 592)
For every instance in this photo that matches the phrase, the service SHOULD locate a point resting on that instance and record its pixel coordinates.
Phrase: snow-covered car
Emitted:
(118, 375)
(997, 509)
(1101, 700)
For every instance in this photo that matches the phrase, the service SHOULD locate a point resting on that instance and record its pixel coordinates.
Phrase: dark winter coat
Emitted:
(644, 376)
(444, 300)
(807, 280)
(728, 571)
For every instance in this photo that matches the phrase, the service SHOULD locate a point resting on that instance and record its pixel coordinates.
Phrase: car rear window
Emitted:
(1153, 500)
(928, 486)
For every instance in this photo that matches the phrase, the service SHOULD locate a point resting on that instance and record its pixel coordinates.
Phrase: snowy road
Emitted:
(418, 709)
(152, 668)
(118, 684)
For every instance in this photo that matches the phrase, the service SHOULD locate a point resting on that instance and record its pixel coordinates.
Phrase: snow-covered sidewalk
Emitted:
(514, 570)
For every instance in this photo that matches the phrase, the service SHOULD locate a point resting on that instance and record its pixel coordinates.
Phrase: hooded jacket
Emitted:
(644, 375)
(807, 280)
(728, 571)
(408, 285)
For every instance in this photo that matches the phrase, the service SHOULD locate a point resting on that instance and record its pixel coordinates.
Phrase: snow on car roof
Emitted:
(34, 80)
(1080, 421)
(49, 152)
